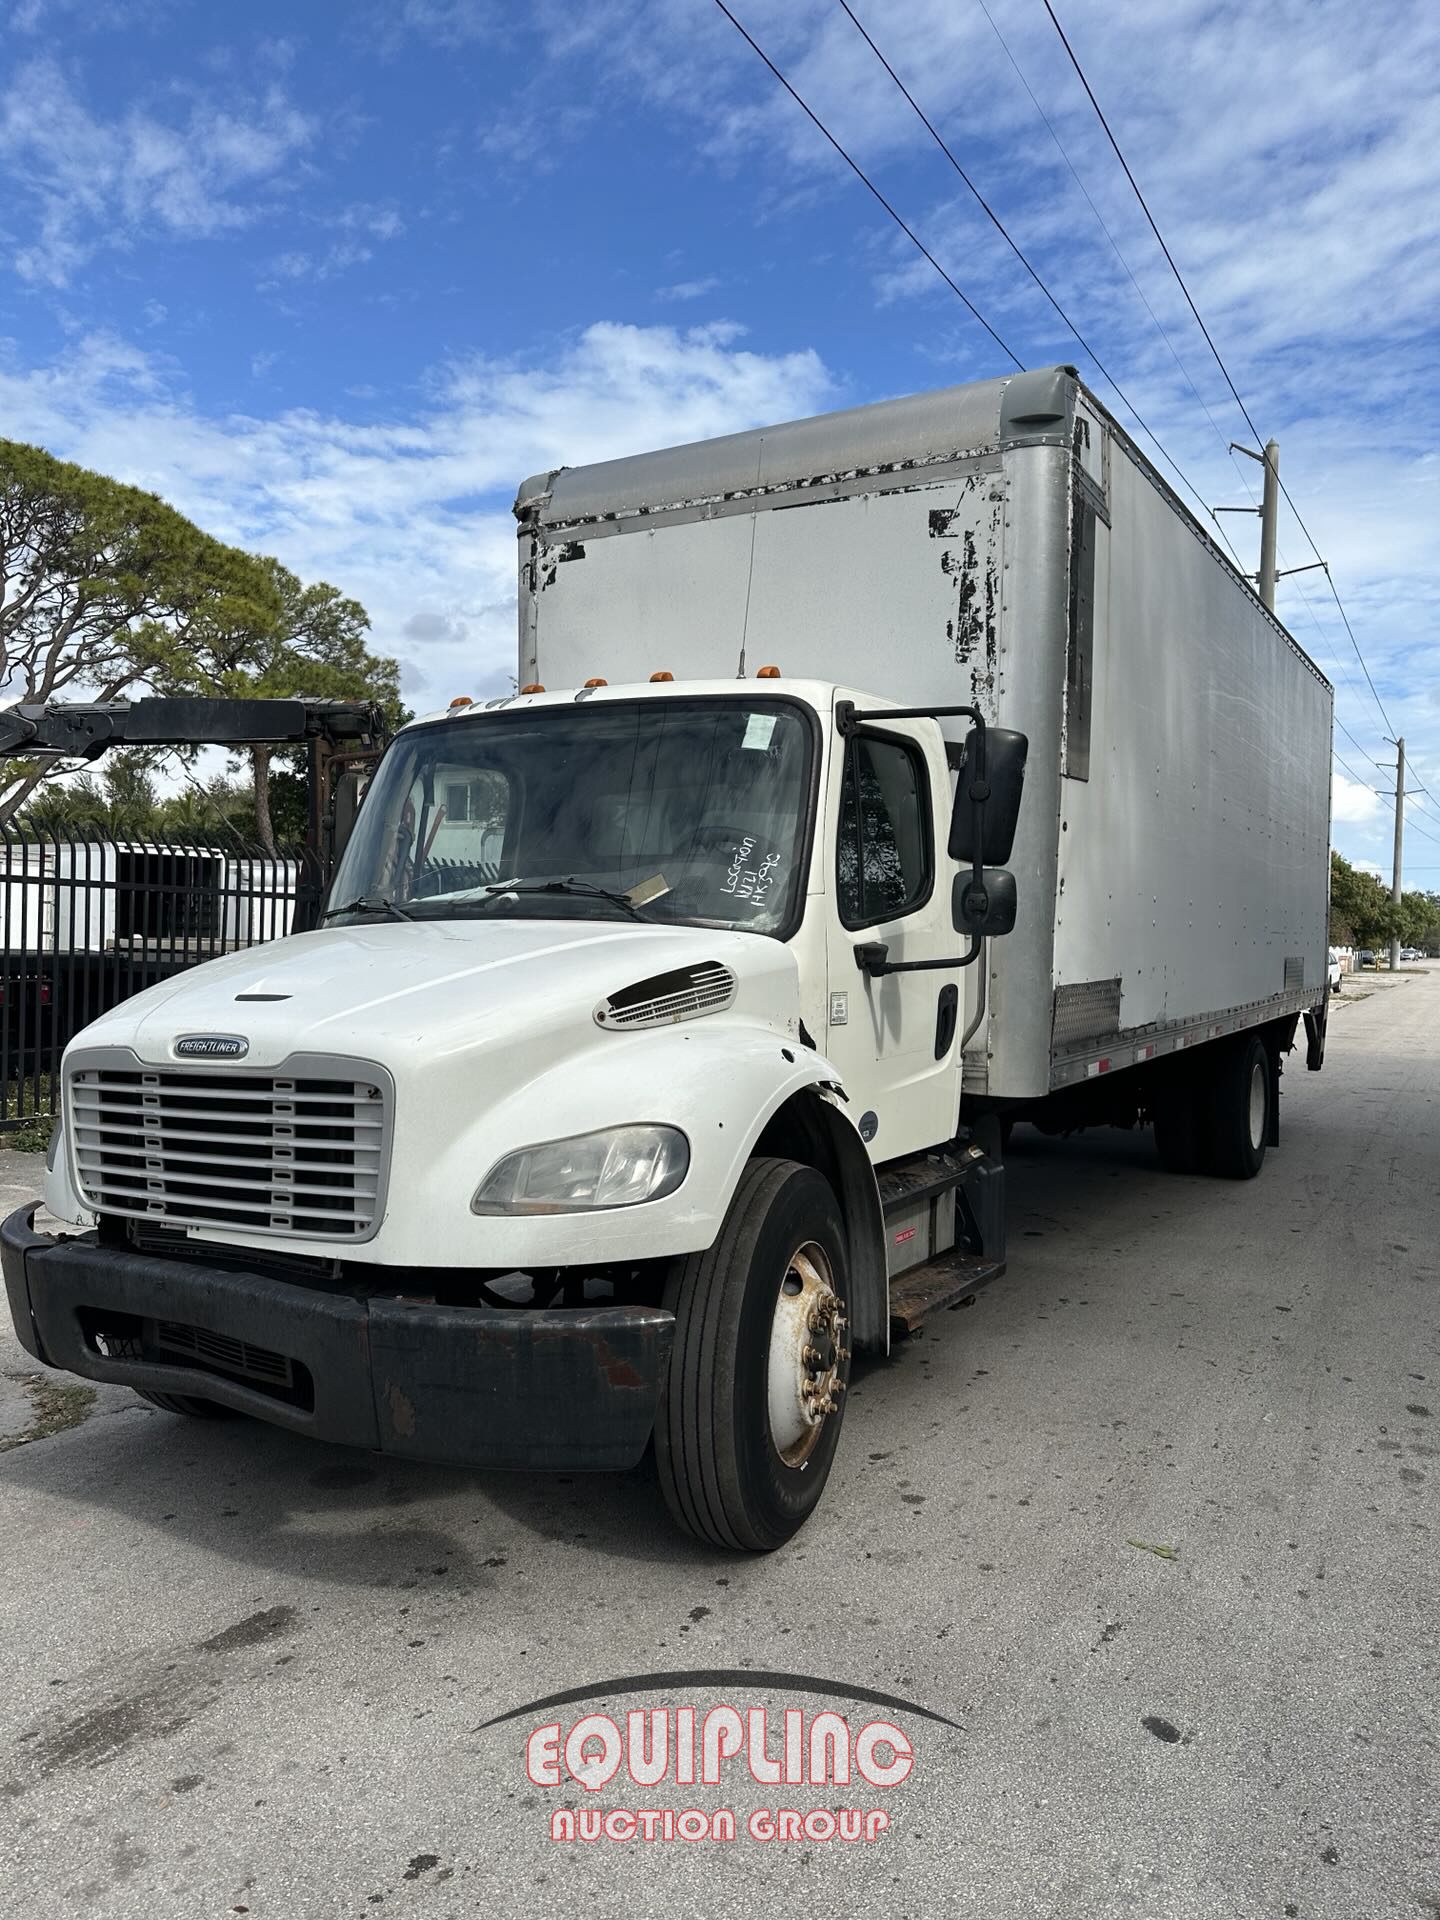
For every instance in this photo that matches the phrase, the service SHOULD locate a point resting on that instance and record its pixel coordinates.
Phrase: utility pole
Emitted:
(1269, 514)
(1399, 834)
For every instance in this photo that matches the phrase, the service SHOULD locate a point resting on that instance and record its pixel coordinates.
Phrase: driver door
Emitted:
(894, 1038)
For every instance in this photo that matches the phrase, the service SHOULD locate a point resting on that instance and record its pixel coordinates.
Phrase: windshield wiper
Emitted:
(584, 889)
(383, 904)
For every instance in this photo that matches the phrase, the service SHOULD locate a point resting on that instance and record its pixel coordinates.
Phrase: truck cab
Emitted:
(590, 1057)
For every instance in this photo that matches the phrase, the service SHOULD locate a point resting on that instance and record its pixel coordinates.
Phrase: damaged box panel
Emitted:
(1003, 544)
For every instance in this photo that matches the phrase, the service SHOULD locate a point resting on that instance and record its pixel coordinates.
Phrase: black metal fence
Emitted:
(86, 923)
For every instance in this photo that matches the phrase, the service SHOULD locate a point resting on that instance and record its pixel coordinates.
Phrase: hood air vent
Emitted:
(667, 997)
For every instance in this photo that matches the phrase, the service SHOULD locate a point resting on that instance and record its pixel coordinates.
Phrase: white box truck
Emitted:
(659, 1043)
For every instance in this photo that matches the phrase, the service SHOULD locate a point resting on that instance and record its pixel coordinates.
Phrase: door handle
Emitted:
(947, 1015)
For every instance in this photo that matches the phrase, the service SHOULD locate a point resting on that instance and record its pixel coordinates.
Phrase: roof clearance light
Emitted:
(768, 673)
(533, 686)
(597, 683)
(461, 700)
(660, 676)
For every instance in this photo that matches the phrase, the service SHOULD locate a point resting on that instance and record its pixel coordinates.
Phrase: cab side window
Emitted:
(883, 867)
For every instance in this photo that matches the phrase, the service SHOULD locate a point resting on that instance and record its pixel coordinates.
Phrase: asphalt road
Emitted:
(248, 1675)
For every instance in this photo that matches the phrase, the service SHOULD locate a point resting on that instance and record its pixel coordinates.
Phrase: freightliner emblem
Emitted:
(212, 1046)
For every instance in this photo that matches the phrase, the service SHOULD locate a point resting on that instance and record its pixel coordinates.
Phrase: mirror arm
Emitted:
(873, 959)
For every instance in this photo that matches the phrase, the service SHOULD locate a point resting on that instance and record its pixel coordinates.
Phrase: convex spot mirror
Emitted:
(1005, 752)
(984, 908)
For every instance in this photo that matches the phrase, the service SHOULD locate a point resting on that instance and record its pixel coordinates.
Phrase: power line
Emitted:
(1128, 271)
(1356, 744)
(1411, 823)
(864, 177)
(1358, 778)
(1010, 242)
(1209, 341)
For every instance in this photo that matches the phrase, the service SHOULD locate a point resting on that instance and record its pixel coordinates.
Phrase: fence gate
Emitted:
(86, 923)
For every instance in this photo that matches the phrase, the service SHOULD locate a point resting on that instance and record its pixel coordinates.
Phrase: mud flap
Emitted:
(1316, 1020)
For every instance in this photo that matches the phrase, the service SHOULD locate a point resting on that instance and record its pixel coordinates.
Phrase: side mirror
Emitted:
(1004, 781)
(985, 908)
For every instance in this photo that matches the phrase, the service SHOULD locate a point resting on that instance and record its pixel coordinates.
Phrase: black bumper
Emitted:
(470, 1386)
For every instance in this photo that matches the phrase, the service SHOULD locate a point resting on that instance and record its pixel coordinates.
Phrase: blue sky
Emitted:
(334, 277)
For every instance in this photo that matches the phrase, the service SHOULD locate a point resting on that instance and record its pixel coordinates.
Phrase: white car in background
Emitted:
(1336, 970)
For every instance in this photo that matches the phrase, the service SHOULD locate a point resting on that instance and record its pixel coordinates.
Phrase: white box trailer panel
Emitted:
(1193, 872)
(1004, 545)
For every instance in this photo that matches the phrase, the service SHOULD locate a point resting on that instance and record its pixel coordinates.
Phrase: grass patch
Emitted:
(26, 1120)
(54, 1407)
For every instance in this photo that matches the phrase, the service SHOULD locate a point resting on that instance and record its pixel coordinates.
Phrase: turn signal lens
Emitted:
(617, 1167)
(660, 676)
(597, 683)
(768, 673)
(533, 687)
(461, 700)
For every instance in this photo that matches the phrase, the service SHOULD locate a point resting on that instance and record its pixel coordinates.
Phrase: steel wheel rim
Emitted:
(807, 1355)
(1257, 1105)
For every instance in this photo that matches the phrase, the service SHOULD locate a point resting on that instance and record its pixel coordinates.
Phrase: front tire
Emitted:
(750, 1415)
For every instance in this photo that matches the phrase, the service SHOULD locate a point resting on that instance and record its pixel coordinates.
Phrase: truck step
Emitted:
(940, 1283)
(923, 1178)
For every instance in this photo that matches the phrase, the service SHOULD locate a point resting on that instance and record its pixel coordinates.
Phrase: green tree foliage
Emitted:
(105, 591)
(100, 585)
(1420, 921)
(294, 641)
(1362, 913)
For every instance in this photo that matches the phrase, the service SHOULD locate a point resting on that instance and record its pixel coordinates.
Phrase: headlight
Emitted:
(618, 1167)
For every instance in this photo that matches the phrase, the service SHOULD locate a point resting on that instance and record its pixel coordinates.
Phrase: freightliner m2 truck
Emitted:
(872, 782)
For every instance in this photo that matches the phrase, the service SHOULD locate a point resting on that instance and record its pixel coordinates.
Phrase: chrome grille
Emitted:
(289, 1153)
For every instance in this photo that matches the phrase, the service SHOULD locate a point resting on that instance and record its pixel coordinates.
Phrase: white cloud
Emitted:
(380, 219)
(1350, 803)
(412, 514)
(297, 264)
(689, 289)
(78, 182)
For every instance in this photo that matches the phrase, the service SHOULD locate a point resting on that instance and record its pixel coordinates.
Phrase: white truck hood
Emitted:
(487, 1036)
(386, 990)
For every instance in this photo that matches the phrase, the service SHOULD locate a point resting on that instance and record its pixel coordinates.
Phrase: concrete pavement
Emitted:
(245, 1674)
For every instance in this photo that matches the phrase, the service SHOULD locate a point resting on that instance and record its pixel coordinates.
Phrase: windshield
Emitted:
(688, 812)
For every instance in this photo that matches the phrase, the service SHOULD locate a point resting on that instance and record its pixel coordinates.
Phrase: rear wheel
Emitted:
(187, 1404)
(1237, 1128)
(750, 1415)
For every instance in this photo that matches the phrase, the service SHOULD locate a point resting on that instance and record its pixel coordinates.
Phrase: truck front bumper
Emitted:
(468, 1386)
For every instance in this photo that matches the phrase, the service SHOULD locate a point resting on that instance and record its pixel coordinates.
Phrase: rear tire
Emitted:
(750, 1414)
(1237, 1128)
(187, 1404)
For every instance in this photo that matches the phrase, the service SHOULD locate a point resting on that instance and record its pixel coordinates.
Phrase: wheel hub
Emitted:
(1258, 1092)
(808, 1357)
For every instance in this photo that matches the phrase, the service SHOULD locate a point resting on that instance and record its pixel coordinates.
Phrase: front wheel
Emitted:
(750, 1415)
